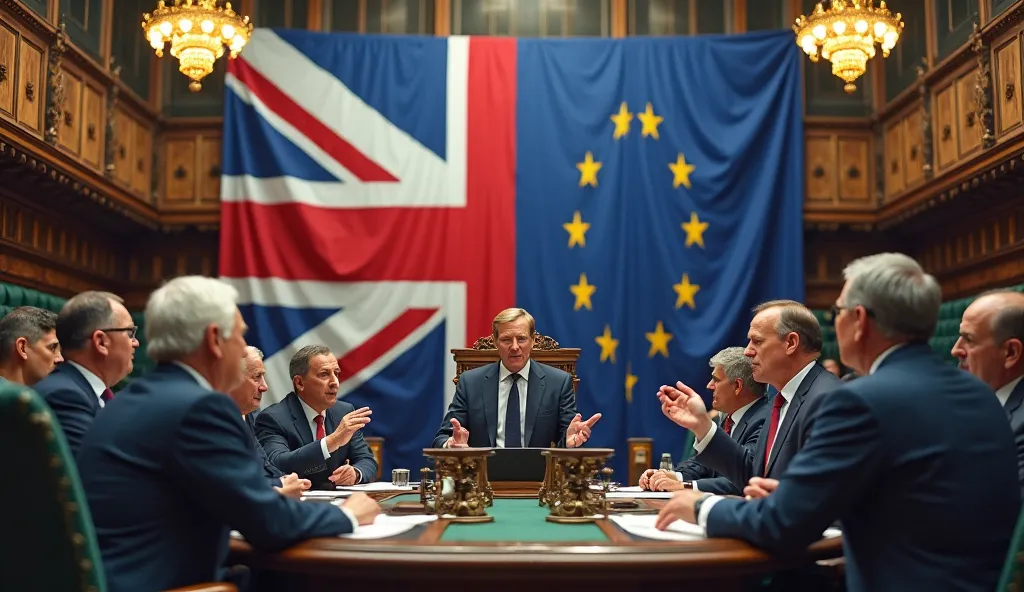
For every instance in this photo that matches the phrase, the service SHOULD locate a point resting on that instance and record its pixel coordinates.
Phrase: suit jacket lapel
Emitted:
(299, 419)
(534, 392)
(83, 383)
(740, 429)
(791, 413)
(491, 403)
(1016, 398)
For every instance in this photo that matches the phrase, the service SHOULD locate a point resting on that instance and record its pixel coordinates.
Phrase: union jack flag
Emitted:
(368, 204)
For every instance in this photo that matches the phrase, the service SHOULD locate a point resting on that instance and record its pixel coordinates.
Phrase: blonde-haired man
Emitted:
(515, 402)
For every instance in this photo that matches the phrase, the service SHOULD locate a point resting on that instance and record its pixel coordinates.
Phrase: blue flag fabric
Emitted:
(659, 194)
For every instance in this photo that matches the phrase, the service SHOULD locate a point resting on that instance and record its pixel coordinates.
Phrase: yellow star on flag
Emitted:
(631, 380)
(622, 120)
(583, 291)
(685, 291)
(681, 172)
(650, 121)
(577, 230)
(659, 341)
(608, 344)
(588, 170)
(695, 230)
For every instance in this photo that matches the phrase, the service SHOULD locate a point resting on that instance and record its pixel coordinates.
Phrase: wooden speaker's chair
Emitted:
(545, 350)
(48, 537)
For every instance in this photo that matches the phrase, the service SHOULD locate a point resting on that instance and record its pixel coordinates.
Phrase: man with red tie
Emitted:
(785, 343)
(313, 434)
(97, 336)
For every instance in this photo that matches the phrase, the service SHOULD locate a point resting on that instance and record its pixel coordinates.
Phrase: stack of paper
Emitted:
(643, 525)
(319, 494)
(388, 526)
(375, 486)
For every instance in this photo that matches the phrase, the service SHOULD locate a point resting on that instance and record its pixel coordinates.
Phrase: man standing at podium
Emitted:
(515, 402)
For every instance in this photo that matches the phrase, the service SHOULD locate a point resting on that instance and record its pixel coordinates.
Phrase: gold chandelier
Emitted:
(846, 33)
(197, 30)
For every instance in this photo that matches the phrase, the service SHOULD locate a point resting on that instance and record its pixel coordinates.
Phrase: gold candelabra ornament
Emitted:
(845, 34)
(569, 490)
(198, 31)
(461, 490)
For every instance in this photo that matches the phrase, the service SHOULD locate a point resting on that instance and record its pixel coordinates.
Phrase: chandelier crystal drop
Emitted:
(198, 31)
(846, 33)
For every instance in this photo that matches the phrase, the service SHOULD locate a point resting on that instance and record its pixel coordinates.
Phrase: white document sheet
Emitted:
(643, 525)
(639, 494)
(375, 486)
(320, 494)
(385, 526)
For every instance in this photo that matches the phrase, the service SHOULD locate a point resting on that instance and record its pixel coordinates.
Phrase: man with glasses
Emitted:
(97, 336)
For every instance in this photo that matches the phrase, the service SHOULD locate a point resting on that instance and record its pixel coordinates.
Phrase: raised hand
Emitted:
(685, 408)
(459, 437)
(348, 426)
(579, 431)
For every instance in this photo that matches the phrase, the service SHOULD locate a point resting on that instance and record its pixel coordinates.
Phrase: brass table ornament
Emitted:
(548, 485)
(461, 490)
(567, 488)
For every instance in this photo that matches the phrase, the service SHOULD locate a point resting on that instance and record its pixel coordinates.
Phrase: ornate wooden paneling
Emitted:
(8, 66)
(191, 169)
(946, 126)
(69, 134)
(93, 119)
(1007, 90)
(895, 179)
(838, 168)
(969, 132)
(30, 83)
(854, 169)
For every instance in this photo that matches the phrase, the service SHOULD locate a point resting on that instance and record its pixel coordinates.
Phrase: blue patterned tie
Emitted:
(513, 433)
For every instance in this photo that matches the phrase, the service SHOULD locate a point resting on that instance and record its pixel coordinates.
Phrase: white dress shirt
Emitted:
(94, 381)
(504, 389)
(788, 392)
(736, 417)
(1003, 393)
(310, 416)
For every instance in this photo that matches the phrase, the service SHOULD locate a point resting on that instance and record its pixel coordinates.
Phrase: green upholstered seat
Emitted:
(1012, 579)
(50, 543)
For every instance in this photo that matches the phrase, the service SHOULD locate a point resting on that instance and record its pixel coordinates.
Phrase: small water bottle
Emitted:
(666, 462)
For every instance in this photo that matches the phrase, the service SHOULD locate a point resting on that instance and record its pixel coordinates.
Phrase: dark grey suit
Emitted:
(550, 407)
(287, 439)
(746, 433)
(1015, 410)
(739, 463)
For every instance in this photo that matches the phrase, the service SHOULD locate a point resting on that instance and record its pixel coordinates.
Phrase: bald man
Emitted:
(991, 347)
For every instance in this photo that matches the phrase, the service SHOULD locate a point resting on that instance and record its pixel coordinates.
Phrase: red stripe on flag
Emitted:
(474, 244)
(308, 125)
(373, 349)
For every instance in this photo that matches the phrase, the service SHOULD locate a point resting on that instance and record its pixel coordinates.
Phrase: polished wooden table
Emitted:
(423, 559)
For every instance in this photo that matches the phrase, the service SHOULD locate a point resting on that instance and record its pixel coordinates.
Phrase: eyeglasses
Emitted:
(131, 331)
(836, 309)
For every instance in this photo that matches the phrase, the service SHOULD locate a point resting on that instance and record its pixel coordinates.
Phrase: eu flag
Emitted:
(659, 192)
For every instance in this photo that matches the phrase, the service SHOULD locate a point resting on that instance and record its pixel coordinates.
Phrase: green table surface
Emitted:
(515, 521)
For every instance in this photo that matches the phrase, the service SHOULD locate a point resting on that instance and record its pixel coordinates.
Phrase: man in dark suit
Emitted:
(168, 469)
(248, 395)
(313, 434)
(740, 401)
(97, 338)
(990, 347)
(515, 402)
(914, 458)
(29, 349)
(785, 342)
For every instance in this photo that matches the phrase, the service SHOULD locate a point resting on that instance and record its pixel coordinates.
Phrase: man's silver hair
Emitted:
(899, 295)
(735, 365)
(250, 351)
(178, 313)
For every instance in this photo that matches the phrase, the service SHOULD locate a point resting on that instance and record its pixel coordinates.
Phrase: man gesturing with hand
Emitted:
(313, 434)
(515, 402)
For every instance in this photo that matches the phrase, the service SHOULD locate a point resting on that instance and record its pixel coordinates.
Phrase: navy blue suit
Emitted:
(1015, 410)
(168, 471)
(74, 403)
(550, 407)
(287, 438)
(739, 463)
(918, 463)
(272, 472)
(746, 433)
